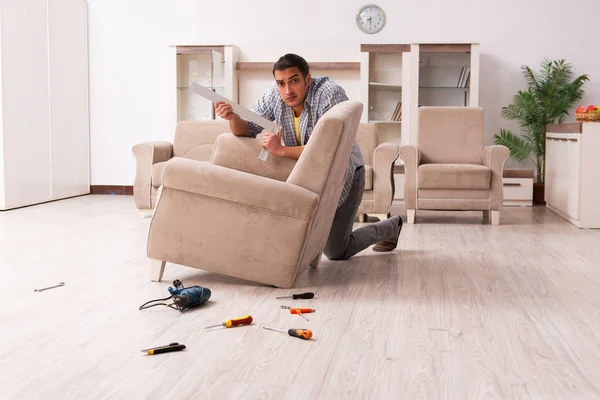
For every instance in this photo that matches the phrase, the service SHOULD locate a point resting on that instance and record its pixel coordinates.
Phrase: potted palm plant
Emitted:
(547, 100)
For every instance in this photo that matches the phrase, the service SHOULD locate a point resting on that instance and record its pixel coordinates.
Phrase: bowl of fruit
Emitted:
(590, 113)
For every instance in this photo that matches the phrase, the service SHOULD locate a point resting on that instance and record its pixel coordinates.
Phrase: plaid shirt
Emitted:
(322, 95)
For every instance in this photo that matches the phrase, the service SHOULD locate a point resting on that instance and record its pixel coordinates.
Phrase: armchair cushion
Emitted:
(453, 176)
(195, 139)
(240, 188)
(368, 177)
(241, 153)
(451, 135)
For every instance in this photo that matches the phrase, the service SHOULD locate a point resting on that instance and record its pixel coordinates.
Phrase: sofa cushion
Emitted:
(453, 176)
(157, 170)
(368, 177)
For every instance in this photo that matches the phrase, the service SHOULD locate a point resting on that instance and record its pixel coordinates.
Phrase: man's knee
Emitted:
(336, 254)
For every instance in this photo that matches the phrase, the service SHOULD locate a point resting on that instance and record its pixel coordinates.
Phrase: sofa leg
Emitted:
(486, 213)
(495, 217)
(410, 216)
(382, 217)
(157, 268)
(146, 212)
(315, 262)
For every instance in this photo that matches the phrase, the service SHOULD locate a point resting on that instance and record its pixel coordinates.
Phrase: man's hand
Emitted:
(272, 142)
(225, 111)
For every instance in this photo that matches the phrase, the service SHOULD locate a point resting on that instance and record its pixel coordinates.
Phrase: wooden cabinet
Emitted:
(573, 172)
(44, 127)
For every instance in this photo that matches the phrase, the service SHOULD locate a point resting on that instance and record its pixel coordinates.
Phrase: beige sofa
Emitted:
(254, 220)
(379, 160)
(193, 140)
(450, 169)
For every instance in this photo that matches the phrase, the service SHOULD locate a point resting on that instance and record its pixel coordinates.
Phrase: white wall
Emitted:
(128, 62)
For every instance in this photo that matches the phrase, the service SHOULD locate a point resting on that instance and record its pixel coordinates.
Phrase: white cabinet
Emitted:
(517, 187)
(573, 172)
(44, 129)
(209, 66)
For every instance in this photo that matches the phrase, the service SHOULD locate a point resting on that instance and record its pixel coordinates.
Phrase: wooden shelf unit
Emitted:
(383, 77)
(317, 66)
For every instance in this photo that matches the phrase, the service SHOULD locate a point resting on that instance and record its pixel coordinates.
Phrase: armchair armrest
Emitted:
(146, 155)
(241, 188)
(241, 153)
(494, 158)
(383, 175)
(412, 158)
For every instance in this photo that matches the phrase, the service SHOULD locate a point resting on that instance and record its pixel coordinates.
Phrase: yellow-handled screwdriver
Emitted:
(245, 320)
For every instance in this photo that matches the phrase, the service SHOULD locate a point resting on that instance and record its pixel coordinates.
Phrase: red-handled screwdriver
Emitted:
(299, 333)
(245, 320)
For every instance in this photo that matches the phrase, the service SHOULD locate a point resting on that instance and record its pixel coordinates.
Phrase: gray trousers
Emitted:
(342, 242)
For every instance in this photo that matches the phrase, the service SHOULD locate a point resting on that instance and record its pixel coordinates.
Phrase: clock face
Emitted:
(370, 18)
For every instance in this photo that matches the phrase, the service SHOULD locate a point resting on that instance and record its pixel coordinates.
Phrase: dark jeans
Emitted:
(343, 243)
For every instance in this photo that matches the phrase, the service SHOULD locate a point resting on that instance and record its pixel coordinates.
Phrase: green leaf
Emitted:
(548, 97)
(520, 149)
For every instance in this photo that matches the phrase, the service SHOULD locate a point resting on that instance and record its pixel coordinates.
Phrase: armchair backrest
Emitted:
(367, 138)
(322, 168)
(450, 135)
(196, 139)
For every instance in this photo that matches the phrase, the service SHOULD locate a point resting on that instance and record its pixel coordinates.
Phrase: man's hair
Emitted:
(290, 61)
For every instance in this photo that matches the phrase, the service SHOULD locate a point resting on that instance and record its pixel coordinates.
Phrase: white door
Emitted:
(563, 177)
(573, 182)
(25, 109)
(552, 169)
(68, 97)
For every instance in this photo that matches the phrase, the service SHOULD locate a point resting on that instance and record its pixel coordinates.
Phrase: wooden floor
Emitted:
(462, 310)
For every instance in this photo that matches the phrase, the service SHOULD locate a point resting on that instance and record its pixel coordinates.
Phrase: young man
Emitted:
(297, 101)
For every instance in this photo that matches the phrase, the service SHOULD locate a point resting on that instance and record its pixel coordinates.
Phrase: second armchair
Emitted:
(450, 169)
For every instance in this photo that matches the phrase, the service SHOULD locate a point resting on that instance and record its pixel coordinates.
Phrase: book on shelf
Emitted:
(397, 114)
(464, 80)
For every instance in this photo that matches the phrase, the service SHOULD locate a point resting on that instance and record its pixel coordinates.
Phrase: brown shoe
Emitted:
(389, 245)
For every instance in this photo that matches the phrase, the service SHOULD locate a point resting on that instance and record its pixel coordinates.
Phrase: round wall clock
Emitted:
(370, 18)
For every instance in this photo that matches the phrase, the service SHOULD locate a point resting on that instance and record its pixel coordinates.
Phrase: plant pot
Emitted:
(538, 194)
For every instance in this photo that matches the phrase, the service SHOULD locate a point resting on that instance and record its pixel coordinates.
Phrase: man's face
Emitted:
(292, 86)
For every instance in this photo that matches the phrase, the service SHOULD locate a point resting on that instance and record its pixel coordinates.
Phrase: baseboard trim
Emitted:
(111, 189)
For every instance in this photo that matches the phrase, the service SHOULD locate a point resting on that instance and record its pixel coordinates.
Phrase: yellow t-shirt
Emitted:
(297, 128)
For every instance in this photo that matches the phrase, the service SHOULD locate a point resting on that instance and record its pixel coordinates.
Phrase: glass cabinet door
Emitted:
(205, 68)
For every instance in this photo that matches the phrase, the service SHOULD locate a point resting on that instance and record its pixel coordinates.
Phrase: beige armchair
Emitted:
(379, 160)
(254, 220)
(193, 139)
(450, 169)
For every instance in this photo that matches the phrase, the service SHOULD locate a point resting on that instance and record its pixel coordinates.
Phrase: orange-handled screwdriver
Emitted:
(301, 310)
(299, 333)
(245, 320)
(294, 310)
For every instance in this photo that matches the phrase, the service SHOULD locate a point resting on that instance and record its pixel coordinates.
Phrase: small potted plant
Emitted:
(547, 100)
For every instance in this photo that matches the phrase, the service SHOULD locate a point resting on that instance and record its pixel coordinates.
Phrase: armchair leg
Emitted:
(486, 213)
(315, 263)
(382, 217)
(410, 216)
(157, 268)
(495, 217)
(146, 212)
